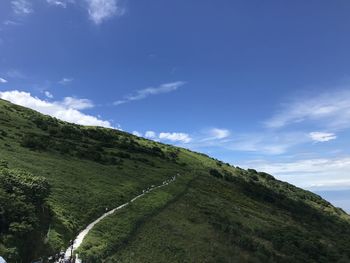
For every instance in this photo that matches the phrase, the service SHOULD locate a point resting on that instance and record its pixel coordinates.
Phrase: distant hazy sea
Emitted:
(339, 198)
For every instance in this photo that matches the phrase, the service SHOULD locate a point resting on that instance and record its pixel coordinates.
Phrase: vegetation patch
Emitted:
(59, 177)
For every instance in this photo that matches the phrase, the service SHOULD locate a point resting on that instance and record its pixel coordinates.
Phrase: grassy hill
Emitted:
(56, 178)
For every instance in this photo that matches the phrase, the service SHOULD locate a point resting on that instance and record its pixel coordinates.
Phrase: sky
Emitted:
(260, 84)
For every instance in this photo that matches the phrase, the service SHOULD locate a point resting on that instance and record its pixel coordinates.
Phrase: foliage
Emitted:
(22, 199)
(216, 221)
(214, 212)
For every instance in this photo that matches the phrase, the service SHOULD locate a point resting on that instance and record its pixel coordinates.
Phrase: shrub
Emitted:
(122, 155)
(35, 142)
(3, 164)
(22, 199)
(215, 173)
(252, 171)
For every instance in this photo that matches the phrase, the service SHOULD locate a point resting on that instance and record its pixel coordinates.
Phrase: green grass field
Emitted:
(213, 212)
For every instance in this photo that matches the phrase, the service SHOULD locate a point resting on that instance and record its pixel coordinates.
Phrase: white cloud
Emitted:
(101, 10)
(15, 74)
(136, 133)
(3, 80)
(98, 10)
(144, 93)
(175, 137)
(77, 104)
(179, 137)
(60, 3)
(48, 94)
(269, 143)
(65, 81)
(150, 135)
(331, 110)
(21, 7)
(59, 109)
(322, 136)
(321, 173)
(10, 23)
(219, 133)
(57, 3)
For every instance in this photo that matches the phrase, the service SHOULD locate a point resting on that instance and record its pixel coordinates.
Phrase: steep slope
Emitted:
(213, 212)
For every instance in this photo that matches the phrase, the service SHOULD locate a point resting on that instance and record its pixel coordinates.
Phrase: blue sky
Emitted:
(262, 84)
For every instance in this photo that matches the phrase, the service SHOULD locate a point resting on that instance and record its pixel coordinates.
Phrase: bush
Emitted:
(3, 133)
(252, 171)
(215, 173)
(3, 164)
(35, 142)
(22, 199)
(122, 155)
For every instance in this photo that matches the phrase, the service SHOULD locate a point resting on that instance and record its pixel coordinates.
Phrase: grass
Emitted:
(115, 230)
(214, 212)
(81, 189)
(215, 222)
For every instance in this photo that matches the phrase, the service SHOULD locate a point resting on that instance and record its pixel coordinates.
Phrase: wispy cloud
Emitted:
(136, 133)
(15, 74)
(60, 3)
(174, 137)
(98, 10)
(144, 93)
(101, 10)
(11, 23)
(77, 104)
(322, 136)
(331, 109)
(65, 81)
(66, 110)
(266, 143)
(3, 80)
(217, 133)
(48, 94)
(270, 144)
(320, 173)
(150, 135)
(21, 7)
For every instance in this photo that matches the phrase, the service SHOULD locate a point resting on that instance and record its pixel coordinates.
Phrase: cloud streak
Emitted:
(77, 104)
(98, 10)
(267, 143)
(3, 80)
(66, 110)
(60, 3)
(217, 133)
(174, 137)
(150, 135)
(331, 110)
(319, 173)
(322, 136)
(101, 10)
(144, 93)
(48, 94)
(65, 81)
(21, 7)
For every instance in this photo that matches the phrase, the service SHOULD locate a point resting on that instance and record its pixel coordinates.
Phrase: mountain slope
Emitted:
(213, 212)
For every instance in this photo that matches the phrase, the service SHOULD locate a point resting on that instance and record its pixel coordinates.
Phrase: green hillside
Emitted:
(56, 178)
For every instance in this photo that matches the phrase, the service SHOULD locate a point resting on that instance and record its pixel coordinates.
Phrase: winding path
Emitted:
(79, 239)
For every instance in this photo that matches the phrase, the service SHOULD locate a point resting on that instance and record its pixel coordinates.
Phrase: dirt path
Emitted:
(79, 239)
